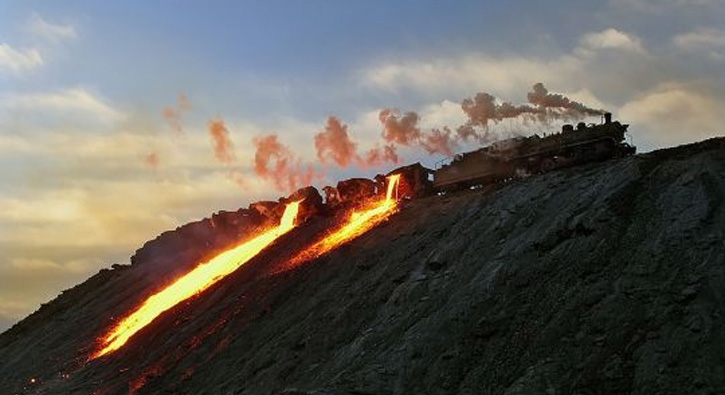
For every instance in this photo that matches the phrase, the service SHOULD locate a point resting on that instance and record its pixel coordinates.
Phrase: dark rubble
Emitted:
(604, 278)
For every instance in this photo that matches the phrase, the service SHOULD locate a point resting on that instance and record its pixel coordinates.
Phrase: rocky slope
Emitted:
(605, 278)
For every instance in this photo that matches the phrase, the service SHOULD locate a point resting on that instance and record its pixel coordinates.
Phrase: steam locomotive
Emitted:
(506, 159)
(535, 154)
(520, 156)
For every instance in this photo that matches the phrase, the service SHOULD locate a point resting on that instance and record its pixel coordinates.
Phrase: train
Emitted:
(521, 156)
(503, 160)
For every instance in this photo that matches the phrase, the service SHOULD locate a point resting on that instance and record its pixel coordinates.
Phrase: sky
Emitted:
(120, 120)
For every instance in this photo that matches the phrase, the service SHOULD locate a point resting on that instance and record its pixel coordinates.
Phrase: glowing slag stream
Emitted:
(195, 282)
(357, 224)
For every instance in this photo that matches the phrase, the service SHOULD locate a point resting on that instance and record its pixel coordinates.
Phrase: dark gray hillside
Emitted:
(604, 278)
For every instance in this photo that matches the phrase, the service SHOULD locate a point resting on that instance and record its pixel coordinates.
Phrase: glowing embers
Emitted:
(194, 282)
(357, 224)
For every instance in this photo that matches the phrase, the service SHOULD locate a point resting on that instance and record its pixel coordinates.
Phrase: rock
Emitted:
(271, 211)
(355, 190)
(311, 203)
(434, 262)
(688, 293)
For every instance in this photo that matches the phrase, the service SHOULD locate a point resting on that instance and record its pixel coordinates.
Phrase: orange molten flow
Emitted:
(357, 224)
(195, 282)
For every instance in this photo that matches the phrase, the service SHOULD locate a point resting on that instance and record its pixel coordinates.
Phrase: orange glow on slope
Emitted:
(357, 224)
(195, 282)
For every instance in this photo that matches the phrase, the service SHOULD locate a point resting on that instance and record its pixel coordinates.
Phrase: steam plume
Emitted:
(439, 141)
(223, 145)
(404, 130)
(274, 161)
(543, 106)
(334, 143)
(380, 155)
(173, 114)
(400, 129)
(151, 160)
(482, 108)
(541, 97)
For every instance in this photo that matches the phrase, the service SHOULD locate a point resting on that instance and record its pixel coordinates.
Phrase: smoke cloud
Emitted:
(151, 160)
(335, 144)
(544, 106)
(482, 109)
(276, 162)
(381, 155)
(173, 114)
(403, 129)
(541, 97)
(224, 150)
(400, 129)
(439, 141)
(223, 145)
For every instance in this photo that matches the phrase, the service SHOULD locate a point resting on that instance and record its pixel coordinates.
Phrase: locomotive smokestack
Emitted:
(607, 117)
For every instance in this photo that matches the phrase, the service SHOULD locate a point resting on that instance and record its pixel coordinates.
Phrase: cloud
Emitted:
(41, 28)
(100, 206)
(14, 144)
(674, 113)
(611, 62)
(28, 282)
(32, 264)
(659, 6)
(441, 114)
(12, 310)
(16, 61)
(510, 76)
(656, 93)
(703, 39)
(611, 39)
(93, 189)
(443, 77)
(68, 103)
(46, 208)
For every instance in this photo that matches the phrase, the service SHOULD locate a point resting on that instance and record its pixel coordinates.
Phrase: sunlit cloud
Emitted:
(702, 37)
(445, 113)
(709, 40)
(662, 6)
(616, 83)
(73, 102)
(39, 27)
(509, 75)
(12, 309)
(27, 282)
(17, 60)
(611, 39)
(675, 113)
